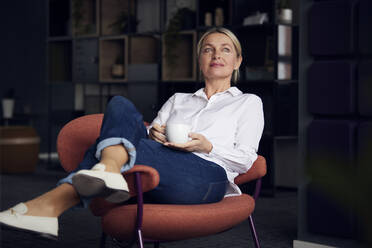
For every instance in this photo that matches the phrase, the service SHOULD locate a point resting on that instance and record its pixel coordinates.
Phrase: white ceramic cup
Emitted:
(177, 133)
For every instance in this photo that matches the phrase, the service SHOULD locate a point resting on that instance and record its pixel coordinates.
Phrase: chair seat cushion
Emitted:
(175, 222)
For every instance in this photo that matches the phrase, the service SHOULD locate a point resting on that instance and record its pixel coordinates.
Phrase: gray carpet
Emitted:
(275, 219)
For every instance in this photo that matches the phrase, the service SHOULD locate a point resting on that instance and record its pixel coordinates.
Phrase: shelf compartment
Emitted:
(60, 61)
(59, 18)
(113, 52)
(143, 49)
(179, 56)
(259, 54)
(117, 17)
(143, 58)
(85, 17)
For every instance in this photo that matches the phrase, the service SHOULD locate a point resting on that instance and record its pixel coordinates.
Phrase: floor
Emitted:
(275, 219)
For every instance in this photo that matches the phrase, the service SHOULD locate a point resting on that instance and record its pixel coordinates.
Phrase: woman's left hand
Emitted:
(199, 143)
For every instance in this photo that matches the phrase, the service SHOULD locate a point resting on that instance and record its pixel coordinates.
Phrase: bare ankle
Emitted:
(111, 166)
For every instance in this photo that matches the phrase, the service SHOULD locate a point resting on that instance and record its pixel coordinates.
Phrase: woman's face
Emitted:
(218, 57)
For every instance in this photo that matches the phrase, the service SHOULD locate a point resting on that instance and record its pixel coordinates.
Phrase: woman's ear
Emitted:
(238, 62)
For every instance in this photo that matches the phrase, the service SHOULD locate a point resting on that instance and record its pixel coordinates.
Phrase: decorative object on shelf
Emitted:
(183, 19)
(117, 69)
(256, 19)
(284, 71)
(284, 40)
(8, 104)
(284, 52)
(78, 13)
(208, 19)
(124, 23)
(185, 8)
(284, 12)
(218, 17)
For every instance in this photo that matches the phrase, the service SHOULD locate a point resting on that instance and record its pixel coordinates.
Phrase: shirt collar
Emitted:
(234, 91)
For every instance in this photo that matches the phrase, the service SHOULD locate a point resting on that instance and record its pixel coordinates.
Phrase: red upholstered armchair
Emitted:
(155, 222)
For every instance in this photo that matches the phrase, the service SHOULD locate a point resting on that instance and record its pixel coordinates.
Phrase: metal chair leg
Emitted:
(103, 240)
(254, 234)
(139, 209)
(139, 239)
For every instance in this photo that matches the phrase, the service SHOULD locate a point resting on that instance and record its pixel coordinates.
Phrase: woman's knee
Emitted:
(119, 100)
(120, 103)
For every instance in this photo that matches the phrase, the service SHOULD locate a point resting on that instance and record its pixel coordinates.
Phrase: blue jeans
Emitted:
(184, 177)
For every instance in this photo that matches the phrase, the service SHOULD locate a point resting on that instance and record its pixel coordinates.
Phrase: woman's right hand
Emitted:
(157, 133)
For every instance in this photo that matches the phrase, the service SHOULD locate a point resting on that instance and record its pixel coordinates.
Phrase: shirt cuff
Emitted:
(116, 141)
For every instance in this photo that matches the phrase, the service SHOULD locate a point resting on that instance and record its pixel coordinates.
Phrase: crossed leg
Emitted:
(54, 202)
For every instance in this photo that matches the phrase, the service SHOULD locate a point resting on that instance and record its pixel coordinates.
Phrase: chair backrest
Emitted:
(75, 138)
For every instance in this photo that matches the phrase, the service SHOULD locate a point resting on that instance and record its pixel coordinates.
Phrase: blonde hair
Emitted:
(233, 38)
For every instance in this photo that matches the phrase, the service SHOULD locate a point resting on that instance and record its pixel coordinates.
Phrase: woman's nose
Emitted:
(217, 55)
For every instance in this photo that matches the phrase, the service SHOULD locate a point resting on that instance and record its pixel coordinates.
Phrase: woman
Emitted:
(226, 126)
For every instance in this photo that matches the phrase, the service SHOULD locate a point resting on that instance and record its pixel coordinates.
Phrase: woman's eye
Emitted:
(207, 50)
(226, 50)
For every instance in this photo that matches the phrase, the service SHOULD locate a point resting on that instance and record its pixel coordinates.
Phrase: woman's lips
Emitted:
(216, 65)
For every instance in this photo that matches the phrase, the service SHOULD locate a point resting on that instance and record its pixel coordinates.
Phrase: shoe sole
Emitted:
(35, 233)
(88, 186)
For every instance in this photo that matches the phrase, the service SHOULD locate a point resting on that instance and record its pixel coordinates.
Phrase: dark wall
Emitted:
(335, 123)
(23, 61)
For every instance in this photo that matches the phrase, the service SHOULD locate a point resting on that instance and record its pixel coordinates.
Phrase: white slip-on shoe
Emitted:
(97, 182)
(15, 219)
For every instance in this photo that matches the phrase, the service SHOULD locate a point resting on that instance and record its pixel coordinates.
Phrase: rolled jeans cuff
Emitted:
(116, 141)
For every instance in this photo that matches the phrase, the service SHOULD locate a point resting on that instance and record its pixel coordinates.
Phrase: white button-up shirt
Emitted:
(232, 121)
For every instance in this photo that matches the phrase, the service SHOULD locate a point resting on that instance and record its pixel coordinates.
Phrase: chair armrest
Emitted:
(149, 178)
(258, 170)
